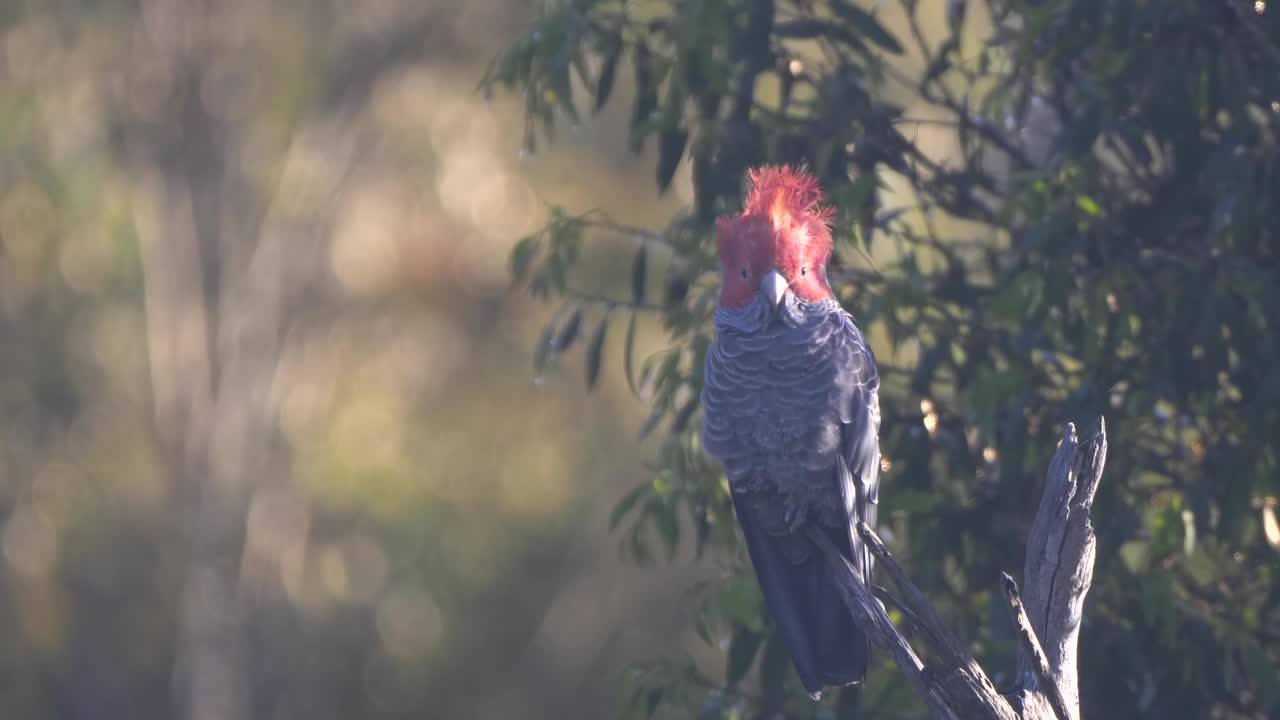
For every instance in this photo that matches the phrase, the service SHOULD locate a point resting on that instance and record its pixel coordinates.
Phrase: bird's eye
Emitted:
(744, 273)
(804, 270)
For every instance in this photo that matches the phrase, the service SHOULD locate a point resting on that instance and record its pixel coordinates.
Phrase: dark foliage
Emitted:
(1094, 233)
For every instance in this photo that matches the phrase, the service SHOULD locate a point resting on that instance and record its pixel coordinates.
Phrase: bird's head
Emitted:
(779, 244)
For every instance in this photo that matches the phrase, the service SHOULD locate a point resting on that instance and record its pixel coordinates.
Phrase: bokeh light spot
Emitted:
(365, 255)
(30, 542)
(366, 566)
(409, 624)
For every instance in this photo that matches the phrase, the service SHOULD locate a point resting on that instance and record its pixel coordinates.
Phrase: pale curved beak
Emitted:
(774, 287)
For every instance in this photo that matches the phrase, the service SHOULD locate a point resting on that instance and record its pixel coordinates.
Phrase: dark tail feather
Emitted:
(800, 593)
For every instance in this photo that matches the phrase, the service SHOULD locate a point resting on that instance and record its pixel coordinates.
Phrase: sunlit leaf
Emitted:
(1088, 205)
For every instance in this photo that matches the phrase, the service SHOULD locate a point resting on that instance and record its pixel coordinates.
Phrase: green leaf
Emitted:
(666, 523)
(595, 351)
(651, 423)
(675, 285)
(561, 86)
(652, 699)
(1019, 298)
(545, 349)
(1264, 674)
(608, 72)
(670, 149)
(1156, 595)
(639, 271)
(866, 24)
(569, 329)
(521, 257)
(773, 671)
(627, 504)
(646, 95)
(1088, 205)
(742, 651)
(913, 502)
(628, 354)
(809, 28)
(740, 600)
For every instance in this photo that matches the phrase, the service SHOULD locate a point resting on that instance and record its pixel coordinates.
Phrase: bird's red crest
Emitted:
(786, 196)
(781, 225)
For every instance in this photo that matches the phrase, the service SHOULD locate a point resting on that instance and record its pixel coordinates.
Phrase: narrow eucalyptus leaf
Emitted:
(608, 73)
(639, 271)
(653, 698)
(773, 671)
(867, 25)
(646, 95)
(595, 351)
(522, 257)
(742, 651)
(544, 350)
(626, 505)
(676, 283)
(671, 145)
(570, 327)
(628, 354)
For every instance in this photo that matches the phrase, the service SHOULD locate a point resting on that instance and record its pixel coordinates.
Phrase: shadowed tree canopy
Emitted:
(1045, 210)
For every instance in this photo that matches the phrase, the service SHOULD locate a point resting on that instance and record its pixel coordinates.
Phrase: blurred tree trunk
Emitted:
(225, 267)
(214, 319)
(212, 349)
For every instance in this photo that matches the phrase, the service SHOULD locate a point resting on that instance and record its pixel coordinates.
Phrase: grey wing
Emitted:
(858, 465)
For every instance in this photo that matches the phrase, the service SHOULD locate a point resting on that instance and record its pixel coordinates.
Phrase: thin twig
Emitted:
(600, 219)
(882, 592)
(610, 301)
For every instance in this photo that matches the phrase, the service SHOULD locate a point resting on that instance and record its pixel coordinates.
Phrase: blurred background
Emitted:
(271, 437)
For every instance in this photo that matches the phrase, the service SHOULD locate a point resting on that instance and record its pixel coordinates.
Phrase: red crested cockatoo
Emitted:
(791, 409)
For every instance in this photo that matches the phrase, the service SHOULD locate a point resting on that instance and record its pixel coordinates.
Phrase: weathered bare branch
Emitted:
(957, 676)
(1030, 645)
(1058, 572)
(1060, 557)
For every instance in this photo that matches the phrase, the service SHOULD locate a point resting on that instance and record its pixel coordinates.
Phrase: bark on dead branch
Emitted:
(1029, 646)
(1057, 575)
